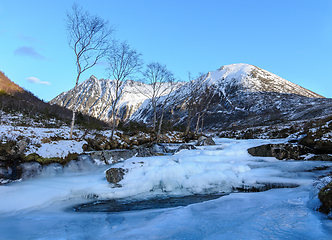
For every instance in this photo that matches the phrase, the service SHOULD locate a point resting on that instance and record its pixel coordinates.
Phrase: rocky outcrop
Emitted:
(319, 157)
(319, 145)
(115, 175)
(280, 151)
(205, 141)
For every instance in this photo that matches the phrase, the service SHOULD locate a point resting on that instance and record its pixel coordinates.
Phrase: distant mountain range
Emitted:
(241, 94)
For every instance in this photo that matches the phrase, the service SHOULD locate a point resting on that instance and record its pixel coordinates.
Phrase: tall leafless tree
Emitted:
(89, 38)
(192, 96)
(163, 102)
(203, 104)
(160, 83)
(123, 62)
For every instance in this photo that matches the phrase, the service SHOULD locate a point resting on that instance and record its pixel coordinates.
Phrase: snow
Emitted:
(58, 148)
(95, 96)
(39, 208)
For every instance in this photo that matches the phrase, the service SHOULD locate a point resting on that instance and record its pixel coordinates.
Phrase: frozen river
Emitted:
(201, 185)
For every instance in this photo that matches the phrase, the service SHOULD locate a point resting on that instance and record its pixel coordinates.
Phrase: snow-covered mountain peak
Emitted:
(95, 97)
(250, 78)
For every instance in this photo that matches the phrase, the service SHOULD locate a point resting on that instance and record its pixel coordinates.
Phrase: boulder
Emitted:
(144, 152)
(205, 141)
(115, 175)
(186, 147)
(280, 151)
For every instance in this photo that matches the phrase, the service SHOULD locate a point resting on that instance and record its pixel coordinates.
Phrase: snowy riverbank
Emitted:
(41, 208)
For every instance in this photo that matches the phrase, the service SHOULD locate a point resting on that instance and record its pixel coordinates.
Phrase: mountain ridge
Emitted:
(235, 86)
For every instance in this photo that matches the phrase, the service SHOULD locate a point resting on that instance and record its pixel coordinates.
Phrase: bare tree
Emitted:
(163, 102)
(160, 82)
(193, 99)
(123, 62)
(207, 94)
(88, 36)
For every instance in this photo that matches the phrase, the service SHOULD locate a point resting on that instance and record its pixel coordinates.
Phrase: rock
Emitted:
(325, 196)
(319, 157)
(12, 149)
(319, 145)
(46, 140)
(157, 148)
(112, 156)
(144, 152)
(205, 141)
(186, 146)
(280, 151)
(22, 145)
(29, 170)
(115, 175)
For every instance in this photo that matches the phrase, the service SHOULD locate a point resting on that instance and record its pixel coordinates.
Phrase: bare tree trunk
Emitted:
(197, 123)
(74, 108)
(160, 124)
(188, 123)
(113, 124)
(202, 124)
(88, 37)
(154, 117)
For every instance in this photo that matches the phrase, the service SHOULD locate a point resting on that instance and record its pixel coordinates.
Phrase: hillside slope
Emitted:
(8, 86)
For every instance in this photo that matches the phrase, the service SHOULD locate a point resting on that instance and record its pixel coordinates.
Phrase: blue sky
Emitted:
(292, 39)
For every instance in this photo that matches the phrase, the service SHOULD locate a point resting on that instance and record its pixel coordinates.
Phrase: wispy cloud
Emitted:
(29, 52)
(37, 81)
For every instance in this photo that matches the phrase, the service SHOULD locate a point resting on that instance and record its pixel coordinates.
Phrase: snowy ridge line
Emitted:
(94, 96)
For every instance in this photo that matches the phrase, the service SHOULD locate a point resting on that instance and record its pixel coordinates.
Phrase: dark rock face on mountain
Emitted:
(238, 94)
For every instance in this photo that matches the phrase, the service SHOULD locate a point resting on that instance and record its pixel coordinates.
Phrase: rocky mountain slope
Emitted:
(95, 97)
(241, 94)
